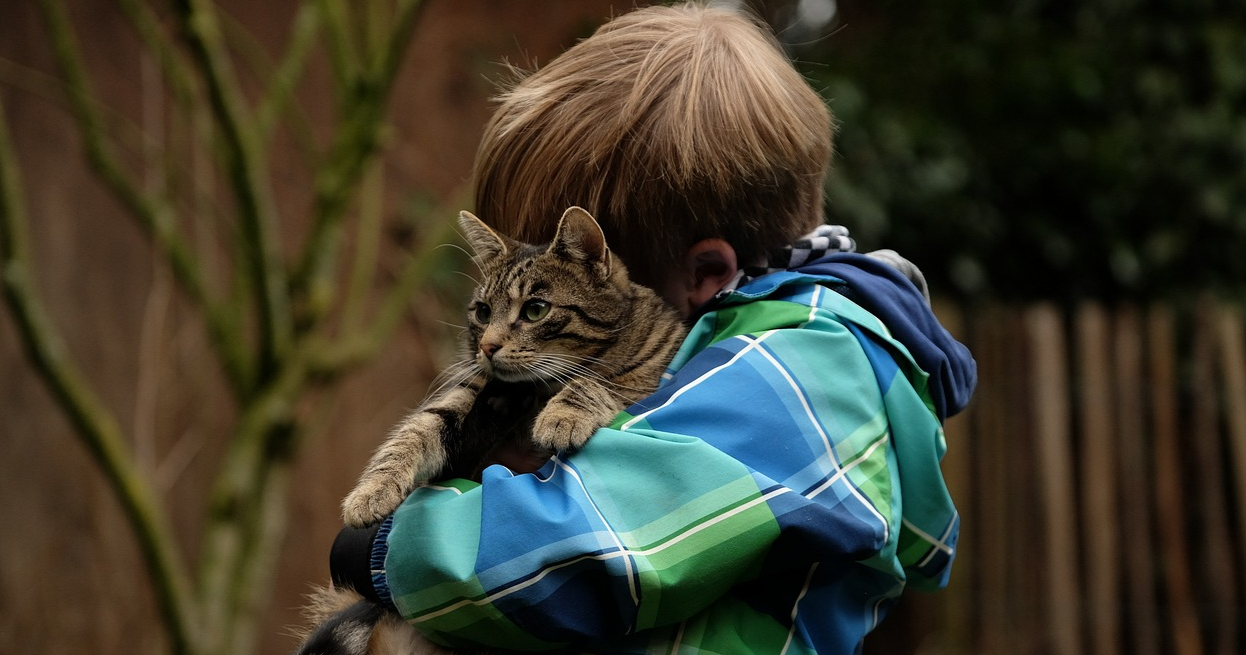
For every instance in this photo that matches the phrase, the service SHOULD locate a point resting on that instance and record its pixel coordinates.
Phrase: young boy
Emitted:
(782, 487)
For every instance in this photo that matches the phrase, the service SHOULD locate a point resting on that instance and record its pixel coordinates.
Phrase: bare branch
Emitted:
(342, 50)
(414, 274)
(280, 93)
(246, 506)
(259, 449)
(367, 246)
(154, 216)
(245, 168)
(279, 78)
(360, 345)
(358, 140)
(93, 423)
(258, 567)
(175, 70)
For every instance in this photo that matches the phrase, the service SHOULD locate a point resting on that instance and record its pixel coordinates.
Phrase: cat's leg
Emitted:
(415, 452)
(573, 414)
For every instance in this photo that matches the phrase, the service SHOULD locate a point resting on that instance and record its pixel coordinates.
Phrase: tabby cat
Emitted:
(559, 341)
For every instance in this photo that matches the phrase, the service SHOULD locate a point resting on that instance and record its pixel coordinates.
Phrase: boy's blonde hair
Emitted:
(670, 125)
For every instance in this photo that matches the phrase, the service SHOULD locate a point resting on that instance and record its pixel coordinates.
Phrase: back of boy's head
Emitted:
(670, 125)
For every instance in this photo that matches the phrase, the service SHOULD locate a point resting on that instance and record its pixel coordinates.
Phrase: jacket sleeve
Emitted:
(765, 451)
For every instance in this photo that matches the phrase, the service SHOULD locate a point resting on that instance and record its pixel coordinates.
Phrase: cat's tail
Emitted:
(346, 623)
(346, 633)
(343, 623)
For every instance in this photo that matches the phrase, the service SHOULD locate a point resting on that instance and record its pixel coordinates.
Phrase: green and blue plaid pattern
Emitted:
(755, 504)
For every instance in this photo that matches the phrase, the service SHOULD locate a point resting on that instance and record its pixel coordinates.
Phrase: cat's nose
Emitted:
(489, 348)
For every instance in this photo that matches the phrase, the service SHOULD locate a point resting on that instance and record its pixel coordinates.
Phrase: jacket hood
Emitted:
(887, 293)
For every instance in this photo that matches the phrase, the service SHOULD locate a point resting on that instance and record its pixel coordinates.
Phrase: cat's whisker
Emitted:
(465, 251)
(446, 373)
(577, 358)
(452, 376)
(455, 246)
(440, 384)
(574, 370)
(571, 368)
(612, 390)
(566, 372)
(580, 370)
(470, 277)
(547, 370)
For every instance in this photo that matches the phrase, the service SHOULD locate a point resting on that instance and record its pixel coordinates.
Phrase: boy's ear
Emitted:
(486, 243)
(709, 264)
(580, 238)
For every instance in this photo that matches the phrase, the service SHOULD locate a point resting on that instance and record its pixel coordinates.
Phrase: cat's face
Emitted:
(544, 313)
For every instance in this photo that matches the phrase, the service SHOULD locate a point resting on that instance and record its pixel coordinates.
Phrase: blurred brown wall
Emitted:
(70, 578)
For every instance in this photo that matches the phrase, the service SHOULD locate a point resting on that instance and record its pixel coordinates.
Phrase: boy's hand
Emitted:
(908, 268)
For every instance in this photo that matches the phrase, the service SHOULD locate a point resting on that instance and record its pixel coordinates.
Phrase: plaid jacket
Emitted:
(774, 496)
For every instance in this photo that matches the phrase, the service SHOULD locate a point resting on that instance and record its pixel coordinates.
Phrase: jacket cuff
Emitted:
(357, 560)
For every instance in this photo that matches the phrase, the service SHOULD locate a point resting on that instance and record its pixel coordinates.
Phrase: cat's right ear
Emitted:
(486, 243)
(580, 238)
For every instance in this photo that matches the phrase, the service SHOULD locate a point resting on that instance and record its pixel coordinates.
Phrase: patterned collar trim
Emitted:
(823, 240)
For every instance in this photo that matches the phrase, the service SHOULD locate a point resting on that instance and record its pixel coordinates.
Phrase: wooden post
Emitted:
(995, 607)
(1169, 500)
(1141, 617)
(1216, 589)
(960, 595)
(1100, 514)
(1233, 367)
(1020, 490)
(1048, 360)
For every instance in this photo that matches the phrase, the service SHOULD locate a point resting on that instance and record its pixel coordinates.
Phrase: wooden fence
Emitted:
(1100, 473)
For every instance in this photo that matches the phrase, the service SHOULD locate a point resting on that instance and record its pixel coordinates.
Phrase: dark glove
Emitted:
(356, 554)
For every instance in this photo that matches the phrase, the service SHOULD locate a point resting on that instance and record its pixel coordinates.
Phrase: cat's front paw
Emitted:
(560, 428)
(374, 498)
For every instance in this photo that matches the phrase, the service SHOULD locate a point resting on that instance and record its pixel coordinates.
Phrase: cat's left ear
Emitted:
(486, 243)
(579, 237)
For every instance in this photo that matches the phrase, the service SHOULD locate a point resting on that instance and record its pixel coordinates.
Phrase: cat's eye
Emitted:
(482, 313)
(535, 310)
